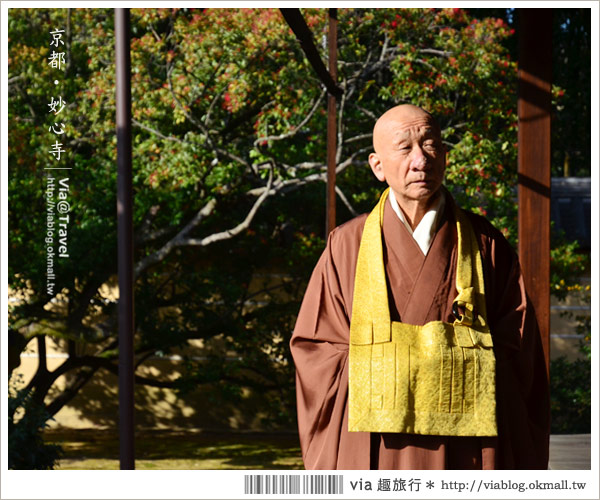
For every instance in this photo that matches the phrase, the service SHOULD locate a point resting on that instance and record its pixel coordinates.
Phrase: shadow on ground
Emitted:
(95, 449)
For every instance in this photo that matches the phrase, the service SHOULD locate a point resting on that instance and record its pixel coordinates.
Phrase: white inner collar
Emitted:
(425, 230)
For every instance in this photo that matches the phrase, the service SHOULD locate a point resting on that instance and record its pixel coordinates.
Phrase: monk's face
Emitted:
(409, 154)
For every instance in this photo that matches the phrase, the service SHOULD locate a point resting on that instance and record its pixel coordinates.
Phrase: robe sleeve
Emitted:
(319, 347)
(522, 393)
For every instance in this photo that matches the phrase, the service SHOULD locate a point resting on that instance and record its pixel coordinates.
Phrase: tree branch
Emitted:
(230, 233)
(293, 184)
(156, 132)
(345, 201)
(358, 138)
(70, 392)
(367, 112)
(296, 129)
(14, 79)
(436, 52)
(340, 128)
(425, 63)
(160, 254)
(304, 165)
(386, 40)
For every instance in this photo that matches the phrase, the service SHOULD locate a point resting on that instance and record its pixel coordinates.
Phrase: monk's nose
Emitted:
(418, 160)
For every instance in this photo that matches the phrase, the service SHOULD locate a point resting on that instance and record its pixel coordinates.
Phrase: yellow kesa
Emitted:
(435, 379)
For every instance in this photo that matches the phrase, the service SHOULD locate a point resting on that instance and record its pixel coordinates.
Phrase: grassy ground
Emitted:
(168, 450)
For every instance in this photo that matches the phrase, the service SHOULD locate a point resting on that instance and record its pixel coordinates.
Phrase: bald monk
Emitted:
(477, 399)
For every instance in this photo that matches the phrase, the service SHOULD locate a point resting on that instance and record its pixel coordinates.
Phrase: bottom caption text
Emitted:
(334, 484)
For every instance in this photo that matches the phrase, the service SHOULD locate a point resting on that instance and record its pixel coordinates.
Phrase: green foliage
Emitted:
(229, 151)
(571, 72)
(26, 422)
(570, 381)
(566, 267)
(570, 396)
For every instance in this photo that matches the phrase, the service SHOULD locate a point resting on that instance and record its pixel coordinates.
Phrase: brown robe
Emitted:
(420, 289)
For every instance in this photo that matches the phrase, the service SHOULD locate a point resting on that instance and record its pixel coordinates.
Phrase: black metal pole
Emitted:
(125, 238)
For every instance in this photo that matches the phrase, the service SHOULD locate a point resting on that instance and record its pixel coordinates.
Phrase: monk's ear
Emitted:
(376, 166)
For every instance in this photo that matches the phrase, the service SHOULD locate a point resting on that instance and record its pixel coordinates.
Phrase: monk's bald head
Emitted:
(409, 156)
(398, 118)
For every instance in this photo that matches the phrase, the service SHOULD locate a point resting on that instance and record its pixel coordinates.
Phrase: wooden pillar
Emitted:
(328, 77)
(534, 108)
(331, 123)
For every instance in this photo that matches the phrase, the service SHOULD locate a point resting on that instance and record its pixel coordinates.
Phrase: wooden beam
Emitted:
(331, 124)
(534, 110)
(295, 20)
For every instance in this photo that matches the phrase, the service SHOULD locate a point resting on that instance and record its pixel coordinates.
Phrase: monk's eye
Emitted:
(430, 145)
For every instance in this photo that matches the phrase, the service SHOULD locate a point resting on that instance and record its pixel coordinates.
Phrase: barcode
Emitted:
(289, 484)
